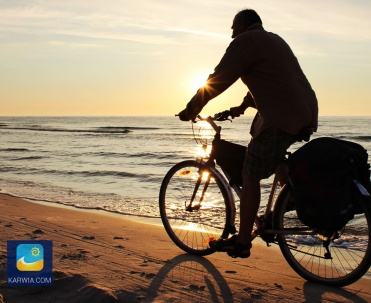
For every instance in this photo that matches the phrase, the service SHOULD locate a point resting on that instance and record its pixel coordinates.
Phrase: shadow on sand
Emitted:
(189, 278)
(196, 277)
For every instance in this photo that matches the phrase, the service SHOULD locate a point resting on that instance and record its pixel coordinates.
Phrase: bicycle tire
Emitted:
(351, 252)
(191, 230)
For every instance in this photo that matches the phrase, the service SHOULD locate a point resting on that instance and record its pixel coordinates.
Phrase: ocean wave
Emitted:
(92, 173)
(357, 241)
(84, 174)
(29, 158)
(173, 136)
(158, 155)
(154, 156)
(14, 150)
(114, 130)
(105, 208)
(104, 173)
(362, 138)
(107, 154)
(110, 202)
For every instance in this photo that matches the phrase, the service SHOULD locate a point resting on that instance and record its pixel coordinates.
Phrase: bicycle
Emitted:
(197, 204)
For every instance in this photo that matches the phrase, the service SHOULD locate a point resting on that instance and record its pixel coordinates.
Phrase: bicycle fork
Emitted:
(197, 206)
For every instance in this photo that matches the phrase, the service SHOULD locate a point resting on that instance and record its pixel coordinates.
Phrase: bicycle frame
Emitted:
(263, 223)
(197, 198)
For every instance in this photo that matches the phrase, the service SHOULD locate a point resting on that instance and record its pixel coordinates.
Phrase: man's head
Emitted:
(243, 20)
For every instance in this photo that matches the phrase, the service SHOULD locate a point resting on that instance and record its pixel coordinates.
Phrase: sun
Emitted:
(199, 81)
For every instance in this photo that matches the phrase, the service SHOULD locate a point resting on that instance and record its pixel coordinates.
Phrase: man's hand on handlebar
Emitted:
(222, 116)
(184, 117)
(236, 111)
(227, 114)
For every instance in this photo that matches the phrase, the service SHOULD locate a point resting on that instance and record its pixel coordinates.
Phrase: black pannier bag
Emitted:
(322, 173)
(230, 157)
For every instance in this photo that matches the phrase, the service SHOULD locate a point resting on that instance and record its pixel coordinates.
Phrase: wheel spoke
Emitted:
(350, 250)
(190, 225)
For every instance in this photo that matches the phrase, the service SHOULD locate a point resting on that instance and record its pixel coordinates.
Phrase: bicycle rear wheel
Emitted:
(349, 255)
(193, 206)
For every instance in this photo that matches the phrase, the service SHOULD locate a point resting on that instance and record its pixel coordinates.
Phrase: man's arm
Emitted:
(228, 71)
(247, 102)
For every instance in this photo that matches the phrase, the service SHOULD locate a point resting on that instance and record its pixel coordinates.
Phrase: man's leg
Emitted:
(263, 155)
(249, 206)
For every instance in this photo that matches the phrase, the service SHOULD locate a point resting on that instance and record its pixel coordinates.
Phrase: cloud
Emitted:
(181, 22)
(200, 33)
(334, 19)
(141, 21)
(73, 45)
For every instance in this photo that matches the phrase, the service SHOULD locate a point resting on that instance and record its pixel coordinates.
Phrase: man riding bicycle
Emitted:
(283, 98)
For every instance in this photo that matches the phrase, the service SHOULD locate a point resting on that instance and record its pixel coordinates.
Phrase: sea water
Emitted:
(118, 163)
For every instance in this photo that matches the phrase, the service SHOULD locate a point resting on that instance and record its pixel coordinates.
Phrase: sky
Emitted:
(146, 57)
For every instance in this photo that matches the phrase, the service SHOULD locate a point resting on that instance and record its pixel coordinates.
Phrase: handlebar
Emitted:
(222, 116)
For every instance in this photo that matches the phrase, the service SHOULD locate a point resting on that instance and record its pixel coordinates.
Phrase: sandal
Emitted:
(231, 247)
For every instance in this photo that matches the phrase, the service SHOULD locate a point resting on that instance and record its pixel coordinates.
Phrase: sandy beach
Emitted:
(98, 257)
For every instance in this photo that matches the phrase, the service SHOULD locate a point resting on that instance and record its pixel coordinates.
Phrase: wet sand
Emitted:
(99, 257)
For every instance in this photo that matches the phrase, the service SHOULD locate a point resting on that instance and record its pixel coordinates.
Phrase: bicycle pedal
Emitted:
(231, 254)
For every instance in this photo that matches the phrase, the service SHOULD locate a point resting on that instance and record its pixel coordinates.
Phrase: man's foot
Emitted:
(231, 247)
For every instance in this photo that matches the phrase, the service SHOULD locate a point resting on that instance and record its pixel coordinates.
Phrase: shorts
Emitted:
(265, 152)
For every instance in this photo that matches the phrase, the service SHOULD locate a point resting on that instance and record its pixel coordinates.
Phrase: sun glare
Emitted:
(199, 81)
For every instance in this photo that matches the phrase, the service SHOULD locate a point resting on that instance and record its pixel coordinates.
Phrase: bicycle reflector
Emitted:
(185, 172)
(207, 241)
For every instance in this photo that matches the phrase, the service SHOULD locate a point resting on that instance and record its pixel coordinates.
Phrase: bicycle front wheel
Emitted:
(348, 256)
(194, 207)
